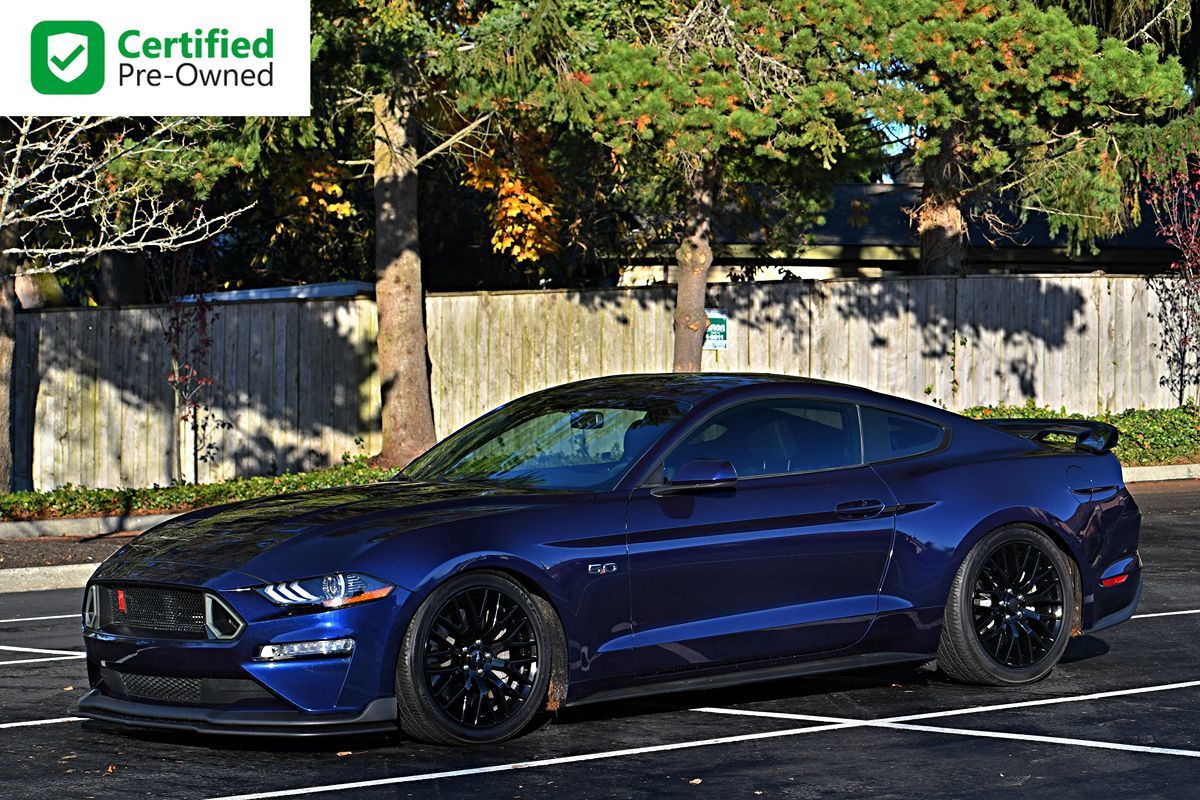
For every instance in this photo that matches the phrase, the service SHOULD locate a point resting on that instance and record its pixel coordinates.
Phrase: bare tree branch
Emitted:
(63, 203)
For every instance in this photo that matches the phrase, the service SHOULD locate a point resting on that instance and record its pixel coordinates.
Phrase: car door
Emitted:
(787, 561)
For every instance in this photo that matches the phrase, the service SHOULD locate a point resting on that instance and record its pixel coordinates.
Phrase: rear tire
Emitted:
(476, 661)
(1010, 611)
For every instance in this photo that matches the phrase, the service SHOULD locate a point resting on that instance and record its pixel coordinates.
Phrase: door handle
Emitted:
(859, 509)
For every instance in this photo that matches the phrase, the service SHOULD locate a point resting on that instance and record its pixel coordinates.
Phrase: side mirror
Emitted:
(699, 474)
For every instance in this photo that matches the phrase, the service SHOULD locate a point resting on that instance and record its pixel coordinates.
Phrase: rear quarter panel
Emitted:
(986, 479)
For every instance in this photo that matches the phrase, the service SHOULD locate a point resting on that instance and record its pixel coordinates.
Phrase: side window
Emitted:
(888, 435)
(769, 437)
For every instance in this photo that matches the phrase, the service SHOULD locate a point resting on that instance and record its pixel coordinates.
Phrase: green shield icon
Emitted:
(66, 57)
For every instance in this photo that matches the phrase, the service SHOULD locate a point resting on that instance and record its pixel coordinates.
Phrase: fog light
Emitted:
(326, 647)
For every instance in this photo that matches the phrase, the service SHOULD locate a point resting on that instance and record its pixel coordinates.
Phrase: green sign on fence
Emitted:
(716, 336)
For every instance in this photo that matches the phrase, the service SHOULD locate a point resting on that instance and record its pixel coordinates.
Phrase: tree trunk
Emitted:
(8, 331)
(403, 361)
(694, 257)
(940, 219)
(8, 309)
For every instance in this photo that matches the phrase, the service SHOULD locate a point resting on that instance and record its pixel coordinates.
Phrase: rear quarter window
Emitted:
(888, 435)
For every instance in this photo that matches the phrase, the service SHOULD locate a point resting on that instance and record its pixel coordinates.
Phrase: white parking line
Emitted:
(826, 724)
(41, 650)
(40, 660)
(1045, 701)
(39, 619)
(545, 762)
(1166, 614)
(1033, 737)
(900, 726)
(32, 722)
(43, 653)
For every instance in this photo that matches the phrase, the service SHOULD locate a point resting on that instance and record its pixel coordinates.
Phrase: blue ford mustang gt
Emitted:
(616, 537)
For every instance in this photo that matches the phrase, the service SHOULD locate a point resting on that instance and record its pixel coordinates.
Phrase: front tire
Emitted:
(476, 661)
(1010, 611)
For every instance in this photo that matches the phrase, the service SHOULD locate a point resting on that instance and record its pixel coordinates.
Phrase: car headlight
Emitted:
(332, 591)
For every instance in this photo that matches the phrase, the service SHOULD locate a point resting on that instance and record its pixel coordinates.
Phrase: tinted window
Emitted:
(551, 442)
(888, 435)
(769, 437)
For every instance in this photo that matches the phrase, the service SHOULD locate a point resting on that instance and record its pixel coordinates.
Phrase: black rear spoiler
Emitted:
(1089, 435)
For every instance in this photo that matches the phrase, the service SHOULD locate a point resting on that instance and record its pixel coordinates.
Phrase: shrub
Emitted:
(74, 501)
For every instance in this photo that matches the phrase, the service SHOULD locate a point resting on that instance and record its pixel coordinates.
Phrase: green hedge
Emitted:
(1154, 436)
(73, 501)
(1148, 436)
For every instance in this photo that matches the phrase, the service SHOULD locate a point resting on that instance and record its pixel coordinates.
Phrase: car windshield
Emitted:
(552, 442)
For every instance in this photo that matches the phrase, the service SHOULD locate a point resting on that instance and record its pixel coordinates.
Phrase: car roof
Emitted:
(695, 388)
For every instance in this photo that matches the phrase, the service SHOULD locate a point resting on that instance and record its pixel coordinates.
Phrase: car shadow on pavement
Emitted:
(786, 689)
(1082, 648)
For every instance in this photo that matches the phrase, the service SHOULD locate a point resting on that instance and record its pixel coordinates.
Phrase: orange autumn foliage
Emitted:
(525, 223)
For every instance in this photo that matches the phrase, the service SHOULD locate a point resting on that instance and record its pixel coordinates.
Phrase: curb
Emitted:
(37, 579)
(1172, 472)
(81, 526)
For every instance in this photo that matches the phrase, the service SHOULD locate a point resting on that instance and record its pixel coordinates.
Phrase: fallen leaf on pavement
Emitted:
(110, 769)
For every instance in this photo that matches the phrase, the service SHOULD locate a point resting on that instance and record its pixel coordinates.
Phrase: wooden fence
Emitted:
(295, 383)
(1086, 343)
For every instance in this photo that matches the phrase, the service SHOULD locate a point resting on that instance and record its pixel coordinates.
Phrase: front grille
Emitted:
(175, 612)
(161, 688)
(161, 613)
(174, 690)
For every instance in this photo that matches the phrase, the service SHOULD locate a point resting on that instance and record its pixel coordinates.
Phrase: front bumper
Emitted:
(225, 689)
(378, 717)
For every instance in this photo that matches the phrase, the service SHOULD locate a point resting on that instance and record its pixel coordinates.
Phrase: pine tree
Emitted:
(1014, 109)
(714, 104)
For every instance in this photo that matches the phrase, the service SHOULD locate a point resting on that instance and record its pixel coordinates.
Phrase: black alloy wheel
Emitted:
(476, 661)
(1018, 601)
(481, 657)
(1010, 610)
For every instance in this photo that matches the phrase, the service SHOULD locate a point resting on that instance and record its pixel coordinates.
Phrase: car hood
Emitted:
(247, 537)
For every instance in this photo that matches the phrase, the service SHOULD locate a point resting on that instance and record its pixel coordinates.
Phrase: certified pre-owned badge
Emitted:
(67, 57)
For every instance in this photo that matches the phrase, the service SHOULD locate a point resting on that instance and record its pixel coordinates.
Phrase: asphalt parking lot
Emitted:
(1119, 716)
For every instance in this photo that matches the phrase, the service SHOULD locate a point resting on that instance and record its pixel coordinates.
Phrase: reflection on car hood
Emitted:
(233, 537)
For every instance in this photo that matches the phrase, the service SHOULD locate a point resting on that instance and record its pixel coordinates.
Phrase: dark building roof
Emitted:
(870, 224)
